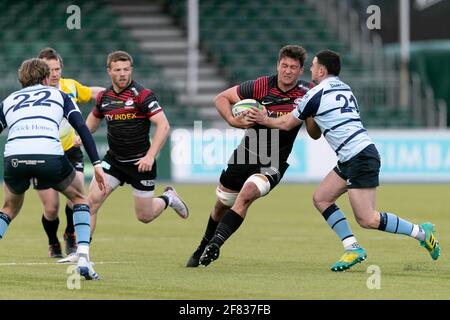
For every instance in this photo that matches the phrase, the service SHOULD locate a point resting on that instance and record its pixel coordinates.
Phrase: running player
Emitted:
(260, 161)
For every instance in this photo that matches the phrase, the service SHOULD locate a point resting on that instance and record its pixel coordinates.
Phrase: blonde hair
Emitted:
(33, 71)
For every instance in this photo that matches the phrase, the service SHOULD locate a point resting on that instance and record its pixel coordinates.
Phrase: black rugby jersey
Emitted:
(278, 103)
(127, 117)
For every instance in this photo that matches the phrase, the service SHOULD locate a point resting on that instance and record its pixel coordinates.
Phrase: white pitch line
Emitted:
(55, 263)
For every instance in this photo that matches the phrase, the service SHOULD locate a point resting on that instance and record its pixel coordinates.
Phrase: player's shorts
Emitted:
(127, 172)
(235, 175)
(46, 171)
(361, 171)
(75, 156)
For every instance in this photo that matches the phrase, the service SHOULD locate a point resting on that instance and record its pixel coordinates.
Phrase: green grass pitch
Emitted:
(283, 250)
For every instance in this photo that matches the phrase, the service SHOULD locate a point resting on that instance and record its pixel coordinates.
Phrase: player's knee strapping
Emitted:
(261, 183)
(82, 223)
(227, 198)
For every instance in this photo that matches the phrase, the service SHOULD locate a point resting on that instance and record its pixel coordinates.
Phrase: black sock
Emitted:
(230, 222)
(166, 200)
(209, 232)
(69, 215)
(51, 227)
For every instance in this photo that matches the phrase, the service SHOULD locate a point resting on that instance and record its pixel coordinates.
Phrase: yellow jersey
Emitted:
(78, 93)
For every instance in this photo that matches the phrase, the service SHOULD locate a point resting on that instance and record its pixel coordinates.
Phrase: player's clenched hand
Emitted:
(242, 121)
(145, 163)
(258, 116)
(100, 177)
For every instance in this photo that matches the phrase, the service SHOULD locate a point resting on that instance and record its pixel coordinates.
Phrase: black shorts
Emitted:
(127, 172)
(361, 171)
(46, 171)
(75, 156)
(235, 175)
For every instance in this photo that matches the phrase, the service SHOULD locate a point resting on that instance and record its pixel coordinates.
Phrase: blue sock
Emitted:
(82, 223)
(337, 221)
(390, 222)
(4, 223)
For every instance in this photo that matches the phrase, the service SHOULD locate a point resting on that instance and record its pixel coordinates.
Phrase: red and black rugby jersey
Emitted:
(278, 103)
(127, 115)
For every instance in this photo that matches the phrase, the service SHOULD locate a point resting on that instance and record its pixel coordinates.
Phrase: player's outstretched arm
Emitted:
(95, 91)
(286, 122)
(92, 122)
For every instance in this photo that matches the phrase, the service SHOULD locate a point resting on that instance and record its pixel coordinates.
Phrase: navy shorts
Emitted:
(127, 172)
(236, 174)
(361, 171)
(75, 156)
(46, 171)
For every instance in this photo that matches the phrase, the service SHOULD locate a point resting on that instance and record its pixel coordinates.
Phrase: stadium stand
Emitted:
(244, 37)
(84, 50)
(238, 39)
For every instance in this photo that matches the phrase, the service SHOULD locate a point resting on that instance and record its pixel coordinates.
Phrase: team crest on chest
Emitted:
(129, 104)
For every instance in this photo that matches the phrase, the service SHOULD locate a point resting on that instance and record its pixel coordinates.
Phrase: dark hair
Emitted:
(50, 54)
(33, 71)
(330, 60)
(118, 56)
(293, 52)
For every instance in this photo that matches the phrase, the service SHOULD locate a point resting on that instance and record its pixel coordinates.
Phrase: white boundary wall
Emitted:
(407, 155)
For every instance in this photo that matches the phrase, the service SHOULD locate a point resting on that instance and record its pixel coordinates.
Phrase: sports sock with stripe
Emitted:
(392, 223)
(339, 224)
(82, 224)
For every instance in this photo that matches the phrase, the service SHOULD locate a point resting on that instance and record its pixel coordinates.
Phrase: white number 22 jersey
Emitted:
(33, 116)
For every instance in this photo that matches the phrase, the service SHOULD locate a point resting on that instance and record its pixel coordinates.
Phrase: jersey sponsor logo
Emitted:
(298, 100)
(120, 117)
(79, 165)
(135, 92)
(129, 104)
(302, 86)
(15, 162)
(147, 183)
(154, 105)
(276, 114)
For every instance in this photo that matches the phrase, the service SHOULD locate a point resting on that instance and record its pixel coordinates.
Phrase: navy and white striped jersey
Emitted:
(33, 116)
(336, 112)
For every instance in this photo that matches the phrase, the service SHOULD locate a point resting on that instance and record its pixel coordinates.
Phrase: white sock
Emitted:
(418, 233)
(350, 243)
(83, 249)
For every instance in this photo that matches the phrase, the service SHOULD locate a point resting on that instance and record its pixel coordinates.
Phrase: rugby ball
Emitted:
(244, 105)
